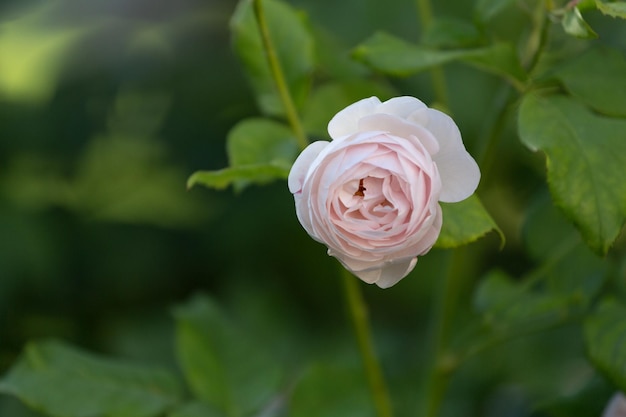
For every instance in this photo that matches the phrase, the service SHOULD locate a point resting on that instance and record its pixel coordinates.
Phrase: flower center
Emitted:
(359, 192)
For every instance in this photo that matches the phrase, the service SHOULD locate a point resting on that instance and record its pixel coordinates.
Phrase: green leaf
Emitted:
(259, 150)
(224, 367)
(510, 306)
(465, 222)
(568, 264)
(394, 56)
(450, 32)
(614, 9)
(605, 337)
(63, 381)
(331, 391)
(486, 9)
(259, 174)
(294, 49)
(261, 141)
(333, 58)
(585, 158)
(574, 24)
(597, 78)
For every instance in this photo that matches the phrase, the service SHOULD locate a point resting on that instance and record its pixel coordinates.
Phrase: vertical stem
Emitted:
(358, 314)
(279, 77)
(425, 13)
(442, 363)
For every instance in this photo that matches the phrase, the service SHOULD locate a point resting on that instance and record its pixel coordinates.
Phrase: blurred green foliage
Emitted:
(106, 108)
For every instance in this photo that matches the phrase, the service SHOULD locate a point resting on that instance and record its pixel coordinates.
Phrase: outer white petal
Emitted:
(392, 273)
(384, 275)
(400, 106)
(347, 120)
(616, 407)
(441, 126)
(301, 166)
(459, 175)
(459, 172)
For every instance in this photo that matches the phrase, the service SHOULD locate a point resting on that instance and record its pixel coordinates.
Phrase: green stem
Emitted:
(358, 314)
(442, 362)
(425, 14)
(279, 77)
(503, 103)
(507, 100)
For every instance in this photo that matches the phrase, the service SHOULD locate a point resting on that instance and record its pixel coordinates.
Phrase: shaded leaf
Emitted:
(510, 306)
(333, 58)
(597, 78)
(63, 381)
(294, 49)
(574, 24)
(452, 33)
(465, 222)
(605, 337)
(568, 264)
(585, 158)
(224, 367)
(394, 56)
(614, 9)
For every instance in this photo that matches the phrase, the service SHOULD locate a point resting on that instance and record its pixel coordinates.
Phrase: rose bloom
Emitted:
(616, 406)
(372, 194)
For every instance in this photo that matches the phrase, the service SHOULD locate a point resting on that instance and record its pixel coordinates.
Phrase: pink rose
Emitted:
(616, 406)
(372, 194)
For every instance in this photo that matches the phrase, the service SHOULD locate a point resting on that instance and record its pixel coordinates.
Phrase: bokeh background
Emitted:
(107, 107)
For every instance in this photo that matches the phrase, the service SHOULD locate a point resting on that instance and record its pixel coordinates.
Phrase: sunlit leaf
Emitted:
(574, 24)
(597, 78)
(614, 9)
(63, 381)
(465, 222)
(33, 54)
(394, 56)
(605, 337)
(585, 158)
(294, 48)
(222, 364)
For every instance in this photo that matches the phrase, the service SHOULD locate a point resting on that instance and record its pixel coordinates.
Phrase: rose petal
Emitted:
(392, 273)
(400, 128)
(459, 175)
(301, 166)
(400, 106)
(384, 275)
(346, 121)
(616, 407)
(441, 126)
